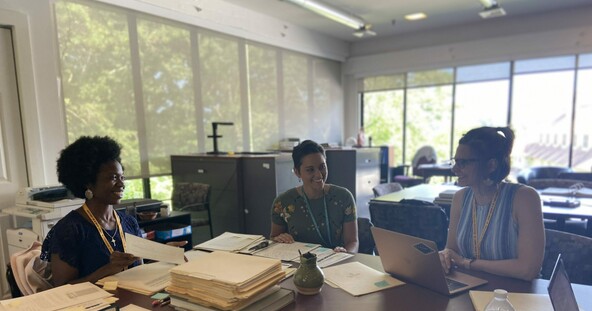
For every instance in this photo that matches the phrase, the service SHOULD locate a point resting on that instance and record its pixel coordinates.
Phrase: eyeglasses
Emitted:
(462, 163)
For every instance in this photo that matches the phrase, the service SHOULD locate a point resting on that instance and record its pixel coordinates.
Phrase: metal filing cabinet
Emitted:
(224, 176)
(358, 170)
(243, 187)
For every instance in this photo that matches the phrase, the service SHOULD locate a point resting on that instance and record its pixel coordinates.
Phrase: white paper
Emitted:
(359, 279)
(286, 251)
(132, 307)
(83, 295)
(327, 257)
(231, 242)
(144, 248)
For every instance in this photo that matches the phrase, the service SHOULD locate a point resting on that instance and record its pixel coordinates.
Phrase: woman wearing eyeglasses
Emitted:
(495, 226)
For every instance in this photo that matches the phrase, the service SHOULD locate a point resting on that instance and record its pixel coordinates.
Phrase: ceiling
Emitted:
(387, 16)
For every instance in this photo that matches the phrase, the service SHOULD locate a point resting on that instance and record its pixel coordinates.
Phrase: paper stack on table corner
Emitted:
(82, 296)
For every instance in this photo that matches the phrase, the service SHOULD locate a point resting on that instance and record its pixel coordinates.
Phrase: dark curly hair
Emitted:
(79, 163)
(492, 143)
(303, 149)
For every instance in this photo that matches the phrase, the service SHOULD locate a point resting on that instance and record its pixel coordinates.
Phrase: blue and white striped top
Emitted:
(501, 239)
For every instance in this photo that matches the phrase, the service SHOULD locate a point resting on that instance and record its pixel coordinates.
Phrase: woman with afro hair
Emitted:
(89, 243)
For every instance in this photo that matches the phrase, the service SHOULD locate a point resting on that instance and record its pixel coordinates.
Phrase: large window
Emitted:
(157, 85)
(534, 96)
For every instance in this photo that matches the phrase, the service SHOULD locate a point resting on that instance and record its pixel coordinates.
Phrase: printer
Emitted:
(43, 207)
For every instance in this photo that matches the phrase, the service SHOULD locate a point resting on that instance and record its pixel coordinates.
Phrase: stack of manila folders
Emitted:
(228, 281)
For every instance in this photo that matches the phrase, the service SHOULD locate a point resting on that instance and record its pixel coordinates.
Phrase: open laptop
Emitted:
(417, 261)
(560, 290)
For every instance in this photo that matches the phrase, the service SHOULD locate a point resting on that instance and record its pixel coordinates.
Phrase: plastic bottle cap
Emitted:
(500, 293)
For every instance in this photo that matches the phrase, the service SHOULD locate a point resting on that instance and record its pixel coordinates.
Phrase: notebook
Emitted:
(417, 261)
(560, 291)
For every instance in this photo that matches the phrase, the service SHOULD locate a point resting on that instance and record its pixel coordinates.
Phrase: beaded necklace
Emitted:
(100, 229)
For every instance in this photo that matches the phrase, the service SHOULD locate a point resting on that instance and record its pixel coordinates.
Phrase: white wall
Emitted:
(563, 32)
(43, 122)
(43, 116)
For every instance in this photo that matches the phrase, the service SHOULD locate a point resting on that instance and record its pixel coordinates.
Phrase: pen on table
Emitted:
(161, 302)
(259, 246)
(166, 302)
(90, 307)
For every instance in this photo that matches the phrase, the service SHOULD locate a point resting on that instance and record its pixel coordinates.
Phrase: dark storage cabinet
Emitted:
(223, 174)
(243, 187)
(358, 170)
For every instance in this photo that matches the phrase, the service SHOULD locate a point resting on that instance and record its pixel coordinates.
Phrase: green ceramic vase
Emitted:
(309, 278)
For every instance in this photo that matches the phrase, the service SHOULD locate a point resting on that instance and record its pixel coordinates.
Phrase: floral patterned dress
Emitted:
(290, 211)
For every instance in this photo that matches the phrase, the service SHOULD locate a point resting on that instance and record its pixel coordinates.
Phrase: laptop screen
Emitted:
(560, 291)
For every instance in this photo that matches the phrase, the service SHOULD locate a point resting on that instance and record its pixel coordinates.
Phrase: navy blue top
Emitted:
(79, 244)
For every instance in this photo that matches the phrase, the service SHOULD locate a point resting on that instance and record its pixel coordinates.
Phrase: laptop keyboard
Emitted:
(454, 285)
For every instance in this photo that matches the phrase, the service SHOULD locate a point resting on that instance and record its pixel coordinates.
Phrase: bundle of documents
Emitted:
(445, 197)
(224, 280)
(286, 251)
(327, 257)
(231, 242)
(82, 296)
(272, 299)
(145, 279)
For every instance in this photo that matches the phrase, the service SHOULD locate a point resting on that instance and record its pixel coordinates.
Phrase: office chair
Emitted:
(576, 252)
(28, 272)
(193, 197)
(412, 217)
(424, 155)
(536, 172)
(576, 176)
(365, 239)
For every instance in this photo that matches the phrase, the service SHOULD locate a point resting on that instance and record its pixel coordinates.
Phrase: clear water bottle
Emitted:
(499, 302)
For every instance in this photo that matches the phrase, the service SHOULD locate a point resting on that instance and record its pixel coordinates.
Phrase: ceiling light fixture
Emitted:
(362, 28)
(491, 9)
(415, 16)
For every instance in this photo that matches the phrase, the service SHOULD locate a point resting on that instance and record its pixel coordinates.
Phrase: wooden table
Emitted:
(406, 297)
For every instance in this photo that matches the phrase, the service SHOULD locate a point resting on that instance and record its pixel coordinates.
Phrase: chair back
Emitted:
(574, 175)
(365, 239)
(29, 272)
(190, 196)
(413, 217)
(540, 172)
(382, 189)
(576, 251)
(424, 155)
(193, 197)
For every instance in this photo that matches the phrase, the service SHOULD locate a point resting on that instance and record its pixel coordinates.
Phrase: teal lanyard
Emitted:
(314, 221)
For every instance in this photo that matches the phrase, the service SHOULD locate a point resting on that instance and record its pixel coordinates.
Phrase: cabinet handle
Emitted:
(246, 211)
(201, 171)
